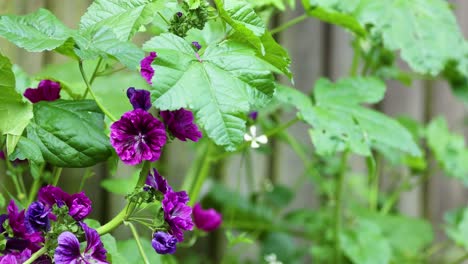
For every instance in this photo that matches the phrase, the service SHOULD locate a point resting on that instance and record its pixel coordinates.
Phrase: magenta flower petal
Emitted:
(79, 206)
(47, 90)
(147, 71)
(206, 220)
(177, 214)
(94, 248)
(37, 217)
(140, 99)
(15, 257)
(138, 136)
(156, 181)
(180, 124)
(196, 45)
(164, 243)
(50, 195)
(68, 249)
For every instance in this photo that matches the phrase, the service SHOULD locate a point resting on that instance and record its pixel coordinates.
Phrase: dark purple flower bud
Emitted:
(3, 218)
(47, 90)
(179, 14)
(147, 72)
(206, 220)
(177, 214)
(68, 249)
(180, 124)
(37, 217)
(156, 181)
(253, 115)
(196, 45)
(164, 243)
(140, 99)
(79, 206)
(50, 195)
(15, 257)
(138, 136)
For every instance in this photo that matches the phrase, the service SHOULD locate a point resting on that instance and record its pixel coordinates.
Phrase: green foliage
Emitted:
(121, 186)
(69, 133)
(218, 88)
(424, 31)
(14, 113)
(457, 226)
(448, 149)
(129, 251)
(34, 32)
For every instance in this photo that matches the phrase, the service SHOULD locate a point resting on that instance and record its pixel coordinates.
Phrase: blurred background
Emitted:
(316, 49)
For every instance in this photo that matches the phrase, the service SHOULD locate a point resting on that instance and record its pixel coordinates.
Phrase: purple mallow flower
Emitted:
(177, 214)
(16, 257)
(140, 99)
(68, 249)
(147, 72)
(196, 45)
(206, 220)
(164, 243)
(180, 124)
(138, 136)
(50, 195)
(47, 90)
(156, 181)
(37, 217)
(79, 206)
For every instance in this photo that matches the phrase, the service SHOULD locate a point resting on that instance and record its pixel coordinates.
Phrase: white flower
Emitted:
(271, 259)
(254, 139)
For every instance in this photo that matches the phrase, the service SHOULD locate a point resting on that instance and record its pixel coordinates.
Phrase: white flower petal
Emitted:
(247, 137)
(262, 139)
(254, 144)
(253, 131)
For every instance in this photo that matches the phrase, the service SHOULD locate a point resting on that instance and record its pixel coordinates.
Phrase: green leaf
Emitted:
(70, 133)
(364, 243)
(104, 43)
(26, 149)
(121, 186)
(425, 32)
(282, 245)
(448, 148)
(129, 250)
(233, 240)
(250, 28)
(34, 32)
(14, 113)
(218, 88)
(457, 226)
(124, 17)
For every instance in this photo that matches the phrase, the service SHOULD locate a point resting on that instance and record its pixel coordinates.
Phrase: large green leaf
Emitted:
(448, 148)
(425, 32)
(249, 27)
(70, 133)
(34, 32)
(457, 226)
(124, 16)
(364, 243)
(14, 113)
(226, 81)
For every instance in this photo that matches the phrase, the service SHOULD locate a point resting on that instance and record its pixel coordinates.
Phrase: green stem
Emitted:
(356, 57)
(36, 255)
(93, 76)
(201, 177)
(57, 173)
(337, 214)
(34, 189)
(137, 240)
(163, 18)
(289, 23)
(343, 20)
(88, 87)
(87, 174)
(128, 209)
(194, 167)
(390, 202)
(373, 178)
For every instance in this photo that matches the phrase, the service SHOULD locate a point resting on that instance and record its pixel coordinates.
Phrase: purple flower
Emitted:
(164, 243)
(206, 220)
(147, 71)
(140, 99)
(253, 115)
(16, 257)
(50, 195)
(180, 124)
(196, 45)
(47, 90)
(138, 136)
(156, 181)
(177, 214)
(79, 205)
(179, 14)
(3, 218)
(37, 217)
(68, 249)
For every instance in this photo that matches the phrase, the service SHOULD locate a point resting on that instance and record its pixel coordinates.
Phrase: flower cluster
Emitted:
(24, 232)
(138, 135)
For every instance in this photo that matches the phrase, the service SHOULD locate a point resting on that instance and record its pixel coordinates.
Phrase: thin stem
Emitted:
(163, 18)
(337, 214)
(34, 189)
(36, 255)
(93, 76)
(88, 87)
(373, 178)
(137, 240)
(57, 173)
(356, 57)
(289, 23)
(195, 167)
(201, 177)
(87, 174)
